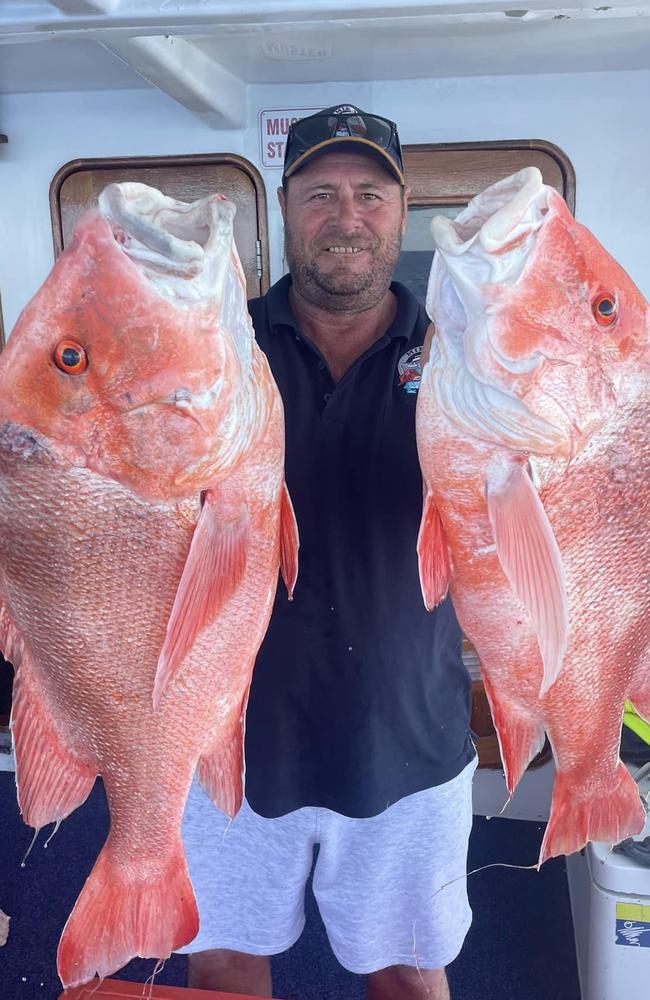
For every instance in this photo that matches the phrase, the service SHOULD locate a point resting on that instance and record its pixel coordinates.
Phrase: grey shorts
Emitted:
(377, 881)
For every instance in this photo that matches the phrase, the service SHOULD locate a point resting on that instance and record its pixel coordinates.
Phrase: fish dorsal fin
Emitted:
(531, 560)
(433, 555)
(289, 542)
(214, 566)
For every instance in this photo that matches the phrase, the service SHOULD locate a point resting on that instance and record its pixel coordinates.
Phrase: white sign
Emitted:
(274, 126)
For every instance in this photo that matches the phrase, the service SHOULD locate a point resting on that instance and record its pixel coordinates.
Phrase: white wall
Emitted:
(599, 120)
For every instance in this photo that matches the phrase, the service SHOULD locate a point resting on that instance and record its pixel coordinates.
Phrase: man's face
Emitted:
(344, 217)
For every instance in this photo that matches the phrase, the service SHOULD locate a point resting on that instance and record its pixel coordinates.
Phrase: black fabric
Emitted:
(359, 695)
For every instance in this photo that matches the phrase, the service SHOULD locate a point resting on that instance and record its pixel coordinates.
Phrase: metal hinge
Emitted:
(258, 259)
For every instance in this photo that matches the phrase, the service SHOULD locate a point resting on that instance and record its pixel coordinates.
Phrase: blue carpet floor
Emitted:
(520, 946)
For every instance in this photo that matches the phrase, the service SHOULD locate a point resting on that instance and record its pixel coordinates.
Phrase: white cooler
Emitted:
(610, 901)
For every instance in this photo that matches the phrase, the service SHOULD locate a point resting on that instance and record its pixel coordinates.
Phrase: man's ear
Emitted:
(282, 198)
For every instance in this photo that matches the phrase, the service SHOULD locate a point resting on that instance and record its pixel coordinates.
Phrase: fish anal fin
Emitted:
(221, 769)
(531, 560)
(433, 555)
(51, 780)
(289, 542)
(124, 911)
(520, 736)
(214, 567)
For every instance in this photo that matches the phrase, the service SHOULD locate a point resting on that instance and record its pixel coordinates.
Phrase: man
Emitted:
(357, 726)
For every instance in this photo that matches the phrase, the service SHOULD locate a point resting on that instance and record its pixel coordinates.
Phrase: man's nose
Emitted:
(347, 211)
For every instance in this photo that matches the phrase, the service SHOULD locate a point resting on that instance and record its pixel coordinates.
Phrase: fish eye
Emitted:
(605, 309)
(70, 357)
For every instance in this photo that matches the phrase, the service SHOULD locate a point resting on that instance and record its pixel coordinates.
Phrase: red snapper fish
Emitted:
(533, 428)
(143, 521)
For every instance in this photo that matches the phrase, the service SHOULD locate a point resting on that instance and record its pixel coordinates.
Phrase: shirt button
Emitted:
(327, 397)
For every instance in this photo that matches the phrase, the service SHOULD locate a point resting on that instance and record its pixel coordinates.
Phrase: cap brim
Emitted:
(370, 148)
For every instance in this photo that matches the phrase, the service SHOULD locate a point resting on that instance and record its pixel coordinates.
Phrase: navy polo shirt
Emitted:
(359, 695)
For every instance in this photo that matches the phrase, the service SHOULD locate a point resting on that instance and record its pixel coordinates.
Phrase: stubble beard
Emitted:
(339, 292)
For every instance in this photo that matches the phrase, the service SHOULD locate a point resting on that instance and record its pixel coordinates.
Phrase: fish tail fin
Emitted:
(580, 813)
(145, 911)
(520, 735)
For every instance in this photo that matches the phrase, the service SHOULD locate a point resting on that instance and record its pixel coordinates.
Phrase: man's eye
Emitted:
(370, 196)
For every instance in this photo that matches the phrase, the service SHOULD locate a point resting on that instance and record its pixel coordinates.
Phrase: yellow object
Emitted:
(633, 721)
(633, 911)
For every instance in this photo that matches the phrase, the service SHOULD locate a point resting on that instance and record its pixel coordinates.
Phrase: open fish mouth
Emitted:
(182, 249)
(497, 220)
(487, 245)
(185, 251)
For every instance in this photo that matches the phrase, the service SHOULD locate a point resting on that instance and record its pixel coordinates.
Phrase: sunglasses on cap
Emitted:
(311, 136)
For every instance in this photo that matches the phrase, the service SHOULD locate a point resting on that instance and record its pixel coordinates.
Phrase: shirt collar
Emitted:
(281, 314)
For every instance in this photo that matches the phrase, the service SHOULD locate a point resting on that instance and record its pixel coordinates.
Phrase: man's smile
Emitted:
(349, 250)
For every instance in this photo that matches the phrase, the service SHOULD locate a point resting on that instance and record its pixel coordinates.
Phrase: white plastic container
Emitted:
(610, 900)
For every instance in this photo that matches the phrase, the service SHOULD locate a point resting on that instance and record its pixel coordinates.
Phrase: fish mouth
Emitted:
(499, 220)
(182, 249)
(487, 247)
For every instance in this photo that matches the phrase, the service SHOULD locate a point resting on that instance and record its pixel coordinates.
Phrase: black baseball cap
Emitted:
(345, 126)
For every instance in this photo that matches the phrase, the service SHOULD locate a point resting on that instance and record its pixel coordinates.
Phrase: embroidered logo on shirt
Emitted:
(409, 370)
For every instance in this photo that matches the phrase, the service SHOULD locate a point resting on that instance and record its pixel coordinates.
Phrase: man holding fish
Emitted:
(143, 421)
(357, 724)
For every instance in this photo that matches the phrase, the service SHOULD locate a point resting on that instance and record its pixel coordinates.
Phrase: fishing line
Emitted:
(415, 959)
(55, 830)
(29, 849)
(94, 989)
(495, 864)
(502, 809)
(160, 965)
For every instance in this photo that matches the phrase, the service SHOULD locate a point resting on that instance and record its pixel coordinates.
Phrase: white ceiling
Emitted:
(204, 53)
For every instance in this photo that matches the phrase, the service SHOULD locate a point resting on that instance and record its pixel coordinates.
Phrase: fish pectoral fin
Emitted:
(433, 555)
(214, 567)
(531, 560)
(51, 780)
(289, 542)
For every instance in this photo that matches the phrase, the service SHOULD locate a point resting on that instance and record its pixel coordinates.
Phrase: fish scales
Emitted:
(144, 521)
(534, 440)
